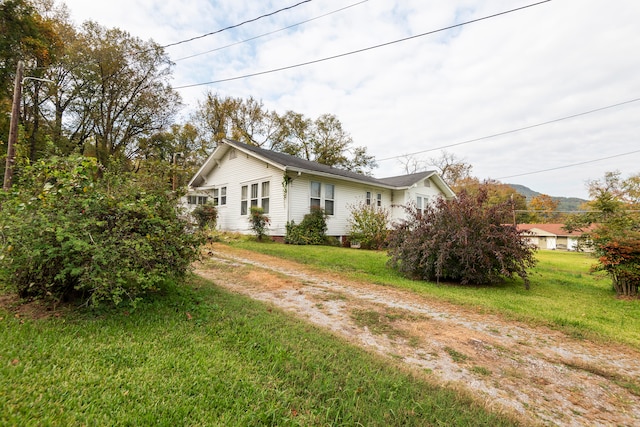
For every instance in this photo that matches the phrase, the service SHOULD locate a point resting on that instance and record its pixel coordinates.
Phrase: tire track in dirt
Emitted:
(541, 375)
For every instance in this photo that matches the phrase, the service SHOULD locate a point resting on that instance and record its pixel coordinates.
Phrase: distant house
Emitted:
(237, 176)
(551, 236)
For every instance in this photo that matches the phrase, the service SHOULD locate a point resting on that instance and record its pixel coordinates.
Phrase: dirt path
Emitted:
(542, 375)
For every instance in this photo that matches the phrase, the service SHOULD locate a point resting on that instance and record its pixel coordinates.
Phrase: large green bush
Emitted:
(369, 226)
(206, 215)
(461, 240)
(70, 231)
(312, 230)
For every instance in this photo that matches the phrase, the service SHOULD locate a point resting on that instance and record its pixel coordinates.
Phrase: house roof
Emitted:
(288, 162)
(549, 229)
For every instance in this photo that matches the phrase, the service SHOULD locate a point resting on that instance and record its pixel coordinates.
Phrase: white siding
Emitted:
(346, 195)
(242, 170)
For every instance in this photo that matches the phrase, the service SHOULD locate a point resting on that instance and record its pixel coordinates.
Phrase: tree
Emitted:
(612, 229)
(543, 209)
(124, 91)
(497, 194)
(461, 240)
(323, 140)
(245, 121)
(450, 168)
(29, 37)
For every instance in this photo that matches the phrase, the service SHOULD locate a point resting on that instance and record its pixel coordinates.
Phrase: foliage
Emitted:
(68, 234)
(369, 225)
(450, 168)
(206, 215)
(613, 230)
(496, 193)
(259, 222)
(312, 230)
(322, 140)
(619, 255)
(460, 240)
(543, 209)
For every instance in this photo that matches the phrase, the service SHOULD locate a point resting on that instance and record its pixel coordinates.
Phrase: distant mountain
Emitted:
(564, 203)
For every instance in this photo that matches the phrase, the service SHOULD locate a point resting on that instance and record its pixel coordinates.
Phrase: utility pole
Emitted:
(13, 128)
(175, 169)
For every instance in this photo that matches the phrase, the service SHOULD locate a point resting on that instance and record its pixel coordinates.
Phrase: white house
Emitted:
(237, 176)
(553, 236)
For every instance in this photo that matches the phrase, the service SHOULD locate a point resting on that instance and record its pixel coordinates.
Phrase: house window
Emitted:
(264, 201)
(220, 196)
(243, 199)
(379, 200)
(196, 200)
(317, 200)
(223, 196)
(419, 203)
(329, 190)
(315, 194)
(368, 199)
(254, 195)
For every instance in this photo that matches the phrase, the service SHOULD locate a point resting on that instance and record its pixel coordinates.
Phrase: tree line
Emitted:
(102, 92)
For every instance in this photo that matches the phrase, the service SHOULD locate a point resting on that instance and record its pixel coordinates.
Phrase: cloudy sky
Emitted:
(514, 95)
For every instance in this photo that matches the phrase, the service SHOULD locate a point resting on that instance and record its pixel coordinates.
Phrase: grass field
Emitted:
(198, 355)
(564, 293)
(201, 356)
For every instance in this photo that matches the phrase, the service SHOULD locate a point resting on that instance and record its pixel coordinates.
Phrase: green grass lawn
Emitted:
(202, 356)
(564, 293)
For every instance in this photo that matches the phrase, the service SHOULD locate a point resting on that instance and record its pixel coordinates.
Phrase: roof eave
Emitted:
(338, 177)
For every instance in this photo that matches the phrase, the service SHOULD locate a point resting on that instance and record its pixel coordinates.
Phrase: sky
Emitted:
(547, 96)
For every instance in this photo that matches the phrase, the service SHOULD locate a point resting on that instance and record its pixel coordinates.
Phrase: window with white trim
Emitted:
(316, 189)
(220, 196)
(379, 200)
(329, 194)
(368, 199)
(254, 195)
(196, 200)
(223, 196)
(264, 197)
(323, 199)
(244, 191)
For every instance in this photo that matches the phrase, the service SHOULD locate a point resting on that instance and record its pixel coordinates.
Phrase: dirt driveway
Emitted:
(542, 375)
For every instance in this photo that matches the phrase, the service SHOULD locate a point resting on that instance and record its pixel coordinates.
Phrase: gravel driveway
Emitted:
(542, 375)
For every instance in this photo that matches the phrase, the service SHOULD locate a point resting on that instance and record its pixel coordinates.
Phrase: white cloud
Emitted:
(527, 67)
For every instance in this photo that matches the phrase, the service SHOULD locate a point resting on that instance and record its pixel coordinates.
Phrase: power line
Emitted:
(271, 32)
(571, 165)
(511, 131)
(236, 25)
(364, 49)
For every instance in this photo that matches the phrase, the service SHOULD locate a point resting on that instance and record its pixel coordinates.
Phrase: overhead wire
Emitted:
(363, 49)
(236, 25)
(270, 32)
(570, 165)
(511, 131)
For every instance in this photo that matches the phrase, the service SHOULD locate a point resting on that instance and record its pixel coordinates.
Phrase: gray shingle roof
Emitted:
(289, 161)
(297, 164)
